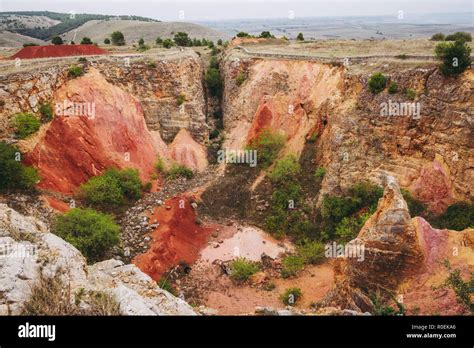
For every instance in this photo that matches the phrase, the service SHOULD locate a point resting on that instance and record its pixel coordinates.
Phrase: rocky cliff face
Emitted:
(403, 258)
(28, 250)
(355, 141)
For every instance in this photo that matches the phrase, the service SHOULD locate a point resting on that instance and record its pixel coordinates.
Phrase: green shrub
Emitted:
(214, 81)
(112, 189)
(459, 36)
(437, 37)
(415, 207)
(166, 285)
(458, 216)
(107, 41)
(266, 35)
(350, 226)
(75, 71)
(46, 111)
(455, 55)
(179, 171)
(13, 174)
(240, 79)
(243, 34)
(117, 38)
(86, 41)
(291, 296)
(300, 37)
(182, 39)
(377, 83)
(57, 40)
(319, 173)
(267, 145)
(393, 87)
(241, 269)
(312, 252)
(381, 309)
(291, 265)
(168, 43)
(464, 290)
(25, 124)
(160, 165)
(214, 63)
(411, 93)
(91, 232)
(285, 170)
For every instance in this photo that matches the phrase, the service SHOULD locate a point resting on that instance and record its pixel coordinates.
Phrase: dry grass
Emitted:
(50, 296)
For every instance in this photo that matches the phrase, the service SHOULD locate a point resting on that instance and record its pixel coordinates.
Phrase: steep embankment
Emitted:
(430, 153)
(113, 115)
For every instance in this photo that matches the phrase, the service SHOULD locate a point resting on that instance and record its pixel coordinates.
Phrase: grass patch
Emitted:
(268, 145)
(25, 124)
(291, 265)
(179, 171)
(241, 269)
(291, 296)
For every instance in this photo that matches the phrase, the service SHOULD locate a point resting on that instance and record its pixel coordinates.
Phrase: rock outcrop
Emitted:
(403, 259)
(28, 250)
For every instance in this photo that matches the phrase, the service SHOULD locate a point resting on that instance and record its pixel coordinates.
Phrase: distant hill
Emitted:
(8, 39)
(133, 31)
(45, 25)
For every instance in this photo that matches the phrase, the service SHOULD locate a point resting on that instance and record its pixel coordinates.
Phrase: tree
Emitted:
(141, 42)
(168, 43)
(243, 34)
(57, 40)
(300, 37)
(107, 41)
(86, 41)
(437, 37)
(377, 83)
(93, 233)
(13, 174)
(455, 55)
(266, 35)
(117, 38)
(159, 41)
(214, 81)
(182, 39)
(459, 36)
(219, 42)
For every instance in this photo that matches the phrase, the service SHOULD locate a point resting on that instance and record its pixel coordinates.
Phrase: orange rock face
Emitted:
(186, 151)
(177, 238)
(106, 130)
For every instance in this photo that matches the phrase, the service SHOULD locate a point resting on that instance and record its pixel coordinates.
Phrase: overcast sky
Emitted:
(239, 9)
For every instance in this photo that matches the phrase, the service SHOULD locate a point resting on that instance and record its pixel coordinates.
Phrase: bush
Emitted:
(86, 41)
(179, 171)
(291, 296)
(241, 269)
(13, 174)
(319, 173)
(266, 35)
(350, 227)
(107, 41)
(437, 37)
(459, 36)
(455, 55)
(46, 111)
(160, 165)
(411, 93)
(291, 265)
(285, 170)
(377, 83)
(91, 232)
(112, 189)
(182, 39)
(168, 43)
(57, 40)
(458, 216)
(393, 87)
(464, 290)
(240, 79)
(25, 124)
(117, 38)
(75, 71)
(219, 42)
(214, 81)
(243, 34)
(214, 63)
(267, 145)
(312, 252)
(300, 37)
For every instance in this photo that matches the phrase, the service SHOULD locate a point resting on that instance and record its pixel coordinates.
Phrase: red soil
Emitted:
(177, 238)
(32, 52)
(56, 204)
